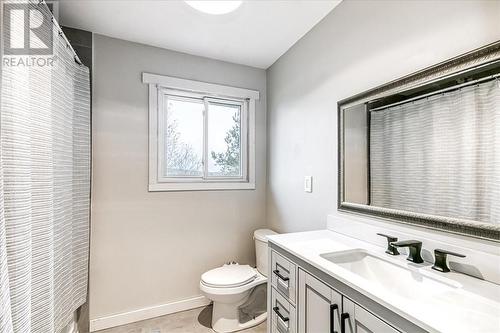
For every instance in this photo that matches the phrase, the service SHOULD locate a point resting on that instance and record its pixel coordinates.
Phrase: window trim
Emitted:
(159, 84)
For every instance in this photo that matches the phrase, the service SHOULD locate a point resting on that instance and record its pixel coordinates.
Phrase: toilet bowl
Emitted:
(238, 291)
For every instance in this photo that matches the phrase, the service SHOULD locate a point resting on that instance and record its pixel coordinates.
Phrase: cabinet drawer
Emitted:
(283, 276)
(283, 315)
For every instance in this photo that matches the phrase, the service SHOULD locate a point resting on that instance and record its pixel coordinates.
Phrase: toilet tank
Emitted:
(260, 237)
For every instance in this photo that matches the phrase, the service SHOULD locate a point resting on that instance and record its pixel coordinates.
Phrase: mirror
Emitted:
(425, 149)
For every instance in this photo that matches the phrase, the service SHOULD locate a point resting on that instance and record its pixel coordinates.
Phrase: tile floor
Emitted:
(192, 321)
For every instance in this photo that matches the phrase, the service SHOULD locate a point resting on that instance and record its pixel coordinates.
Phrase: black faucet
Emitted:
(414, 247)
(440, 260)
(390, 249)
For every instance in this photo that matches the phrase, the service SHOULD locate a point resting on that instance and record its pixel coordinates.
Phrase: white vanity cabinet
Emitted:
(319, 306)
(299, 302)
(323, 309)
(362, 321)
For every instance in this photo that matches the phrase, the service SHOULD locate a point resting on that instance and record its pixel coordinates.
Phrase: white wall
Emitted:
(358, 46)
(150, 249)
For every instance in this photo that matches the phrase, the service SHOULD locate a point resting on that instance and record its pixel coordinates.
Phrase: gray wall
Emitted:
(359, 45)
(151, 248)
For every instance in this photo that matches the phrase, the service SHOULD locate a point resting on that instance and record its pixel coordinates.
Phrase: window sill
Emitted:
(221, 186)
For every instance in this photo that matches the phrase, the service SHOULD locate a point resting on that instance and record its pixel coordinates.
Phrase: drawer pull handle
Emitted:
(343, 318)
(277, 310)
(333, 307)
(277, 272)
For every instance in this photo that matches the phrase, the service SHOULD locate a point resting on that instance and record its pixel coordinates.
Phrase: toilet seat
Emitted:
(229, 276)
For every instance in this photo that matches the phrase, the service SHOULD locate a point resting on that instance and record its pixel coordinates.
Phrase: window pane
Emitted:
(183, 138)
(224, 140)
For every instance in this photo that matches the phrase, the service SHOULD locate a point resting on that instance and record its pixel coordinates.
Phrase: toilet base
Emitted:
(225, 319)
(248, 311)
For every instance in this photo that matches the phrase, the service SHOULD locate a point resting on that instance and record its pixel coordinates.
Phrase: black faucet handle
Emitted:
(414, 249)
(389, 237)
(390, 249)
(440, 259)
(446, 252)
(407, 243)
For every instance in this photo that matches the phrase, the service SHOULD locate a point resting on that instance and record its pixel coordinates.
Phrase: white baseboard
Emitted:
(147, 313)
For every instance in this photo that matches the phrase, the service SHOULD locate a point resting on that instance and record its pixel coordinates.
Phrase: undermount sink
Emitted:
(403, 280)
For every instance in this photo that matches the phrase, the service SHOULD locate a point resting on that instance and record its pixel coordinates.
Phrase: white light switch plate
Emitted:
(308, 182)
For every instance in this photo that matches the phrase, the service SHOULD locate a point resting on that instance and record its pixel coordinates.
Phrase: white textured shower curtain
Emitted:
(440, 155)
(44, 192)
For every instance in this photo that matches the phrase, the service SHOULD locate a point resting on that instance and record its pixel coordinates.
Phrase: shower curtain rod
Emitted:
(61, 33)
(486, 78)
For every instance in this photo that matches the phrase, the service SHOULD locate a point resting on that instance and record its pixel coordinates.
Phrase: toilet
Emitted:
(239, 291)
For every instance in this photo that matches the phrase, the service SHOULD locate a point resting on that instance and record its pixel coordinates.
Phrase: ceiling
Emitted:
(256, 34)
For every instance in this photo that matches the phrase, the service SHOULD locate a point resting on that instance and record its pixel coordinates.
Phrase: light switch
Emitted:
(308, 184)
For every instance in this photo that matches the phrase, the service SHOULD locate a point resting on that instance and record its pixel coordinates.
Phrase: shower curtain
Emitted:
(440, 155)
(44, 191)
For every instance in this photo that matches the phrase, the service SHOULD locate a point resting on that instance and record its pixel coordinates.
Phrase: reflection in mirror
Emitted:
(427, 153)
(439, 155)
(356, 154)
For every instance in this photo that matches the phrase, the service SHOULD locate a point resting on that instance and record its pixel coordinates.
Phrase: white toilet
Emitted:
(239, 291)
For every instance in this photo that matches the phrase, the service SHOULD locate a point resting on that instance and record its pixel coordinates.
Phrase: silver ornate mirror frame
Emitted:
(454, 66)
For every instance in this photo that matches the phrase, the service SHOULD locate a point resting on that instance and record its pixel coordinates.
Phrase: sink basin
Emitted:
(403, 280)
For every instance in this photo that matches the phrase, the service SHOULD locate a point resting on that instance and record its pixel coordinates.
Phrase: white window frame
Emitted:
(160, 86)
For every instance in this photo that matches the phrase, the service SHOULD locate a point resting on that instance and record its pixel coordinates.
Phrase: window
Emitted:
(202, 135)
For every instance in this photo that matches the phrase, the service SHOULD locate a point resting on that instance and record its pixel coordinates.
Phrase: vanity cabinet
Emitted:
(302, 303)
(319, 305)
(362, 321)
(323, 309)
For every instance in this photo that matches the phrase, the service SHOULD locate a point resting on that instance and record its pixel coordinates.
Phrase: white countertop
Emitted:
(473, 308)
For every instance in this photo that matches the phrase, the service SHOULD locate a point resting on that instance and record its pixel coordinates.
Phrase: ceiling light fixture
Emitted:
(215, 7)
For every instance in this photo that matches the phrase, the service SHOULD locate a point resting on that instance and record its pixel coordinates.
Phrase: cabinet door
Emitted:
(318, 306)
(362, 321)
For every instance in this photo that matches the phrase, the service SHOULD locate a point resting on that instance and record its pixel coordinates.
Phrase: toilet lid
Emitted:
(227, 276)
